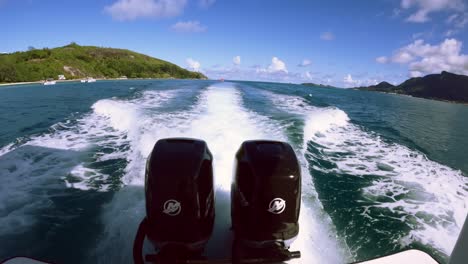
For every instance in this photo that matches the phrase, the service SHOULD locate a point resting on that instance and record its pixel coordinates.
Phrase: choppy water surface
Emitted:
(381, 173)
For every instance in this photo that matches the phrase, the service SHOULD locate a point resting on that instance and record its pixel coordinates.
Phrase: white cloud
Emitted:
(461, 21)
(193, 64)
(276, 71)
(402, 56)
(327, 36)
(307, 75)
(417, 35)
(236, 60)
(257, 74)
(396, 12)
(416, 74)
(450, 33)
(188, 27)
(452, 18)
(418, 17)
(132, 9)
(458, 22)
(206, 3)
(371, 82)
(425, 7)
(381, 59)
(348, 80)
(277, 65)
(428, 34)
(305, 63)
(423, 58)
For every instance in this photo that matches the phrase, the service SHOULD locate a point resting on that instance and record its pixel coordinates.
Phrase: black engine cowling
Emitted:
(179, 194)
(266, 193)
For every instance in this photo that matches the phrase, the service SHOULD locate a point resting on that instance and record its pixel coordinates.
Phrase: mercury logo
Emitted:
(172, 207)
(277, 206)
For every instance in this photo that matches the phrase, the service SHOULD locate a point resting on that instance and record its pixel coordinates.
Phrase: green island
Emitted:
(318, 85)
(75, 62)
(445, 86)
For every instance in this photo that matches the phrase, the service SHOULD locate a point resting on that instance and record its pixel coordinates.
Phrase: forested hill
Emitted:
(444, 86)
(75, 61)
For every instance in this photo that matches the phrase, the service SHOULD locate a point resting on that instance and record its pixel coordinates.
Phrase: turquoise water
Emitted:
(382, 173)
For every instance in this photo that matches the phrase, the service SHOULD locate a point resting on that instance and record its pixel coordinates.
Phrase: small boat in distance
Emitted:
(49, 81)
(88, 80)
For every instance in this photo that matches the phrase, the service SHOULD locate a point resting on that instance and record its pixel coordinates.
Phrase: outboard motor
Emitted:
(179, 200)
(265, 200)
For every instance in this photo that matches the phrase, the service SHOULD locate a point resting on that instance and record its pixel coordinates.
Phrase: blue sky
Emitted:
(343, 43)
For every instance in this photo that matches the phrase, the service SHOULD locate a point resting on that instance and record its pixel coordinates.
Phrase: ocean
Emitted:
(381, 173)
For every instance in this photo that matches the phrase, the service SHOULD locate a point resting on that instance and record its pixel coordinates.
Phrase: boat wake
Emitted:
(360, 193)
(401, 196)
(220, 119)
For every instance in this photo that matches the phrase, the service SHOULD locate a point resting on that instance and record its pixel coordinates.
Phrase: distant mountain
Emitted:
(444, 86)
(383, 87)
(318, 85)
(76, 62)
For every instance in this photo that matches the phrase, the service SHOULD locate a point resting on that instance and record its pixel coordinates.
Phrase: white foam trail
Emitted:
(217, 119)
(108, 126)
(28, 175)
(319, 234)
(123, 214)
(429, 187)
(220, 119)
(6, 149)
(225, 124)
(32, 169)
(84, 178)
(120, 113)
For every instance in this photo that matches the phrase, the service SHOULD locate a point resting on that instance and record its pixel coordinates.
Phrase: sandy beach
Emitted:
(97, 79)
(40, 82)
(62, 81)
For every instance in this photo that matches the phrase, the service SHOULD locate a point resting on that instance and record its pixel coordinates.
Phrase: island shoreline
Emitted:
(97, 79)
(407, 95)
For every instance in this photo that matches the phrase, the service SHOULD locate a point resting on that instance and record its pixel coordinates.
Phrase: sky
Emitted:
(340, 43)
